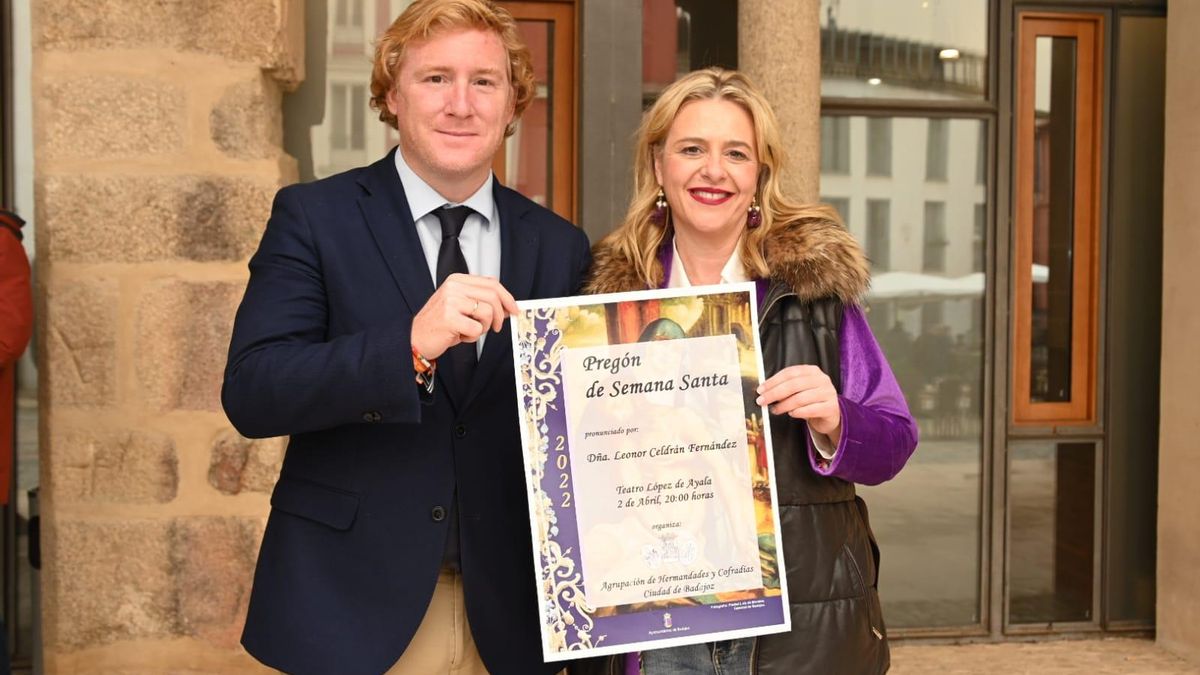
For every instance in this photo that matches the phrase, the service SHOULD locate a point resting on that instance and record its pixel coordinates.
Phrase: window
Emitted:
(347, 114)
(904, 49)
(879, 146)
(348, 34)
(1056, 218)
(878, 236)
(835, 145)
(539, 159)
(842, 206)
(349, 13)
(934, 257)
(358, 112)
(679, 36)
(930, 323)
(1050, 535)
(937, 146)
(338, 138)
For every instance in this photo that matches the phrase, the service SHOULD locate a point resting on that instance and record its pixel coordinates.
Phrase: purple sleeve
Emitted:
(878, 433)
(633, 664)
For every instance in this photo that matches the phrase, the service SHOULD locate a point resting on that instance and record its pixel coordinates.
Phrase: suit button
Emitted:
(372, 416)
(460, 431)
(438, 514)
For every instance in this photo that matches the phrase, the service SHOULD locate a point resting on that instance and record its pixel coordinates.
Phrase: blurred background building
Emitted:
(1018, 172)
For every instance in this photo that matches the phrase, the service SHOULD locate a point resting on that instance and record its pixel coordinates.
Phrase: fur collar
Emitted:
(817, 258)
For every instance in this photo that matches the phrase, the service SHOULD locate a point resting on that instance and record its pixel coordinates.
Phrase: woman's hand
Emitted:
(806, 393)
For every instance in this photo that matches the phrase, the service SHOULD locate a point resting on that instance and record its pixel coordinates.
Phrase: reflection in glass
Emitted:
(911, 49)
(879, 146)
(879, 239)
(835, 145)
(1051, 498)
(930, 326)
(839, 204)
(936, 150)
(934, 259)
(328, 125)
(528, 158)
(1053, 219)
(679, 36)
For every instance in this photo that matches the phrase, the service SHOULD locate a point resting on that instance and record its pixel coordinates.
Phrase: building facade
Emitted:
(1016, 171)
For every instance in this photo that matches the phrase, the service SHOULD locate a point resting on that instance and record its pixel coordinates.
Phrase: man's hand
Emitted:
(807, 393)
(460, 310)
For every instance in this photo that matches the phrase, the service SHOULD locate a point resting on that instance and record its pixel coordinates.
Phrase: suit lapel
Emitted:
(385, 208)
(518, 266)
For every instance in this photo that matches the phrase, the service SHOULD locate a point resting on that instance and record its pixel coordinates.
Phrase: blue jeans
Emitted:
(728, 657)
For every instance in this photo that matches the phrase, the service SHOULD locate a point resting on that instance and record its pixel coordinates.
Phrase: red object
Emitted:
(660, 41)
(625, 324)
(16, 325)
(425, 369)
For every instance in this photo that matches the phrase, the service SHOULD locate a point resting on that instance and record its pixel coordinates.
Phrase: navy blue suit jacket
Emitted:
(321, 352)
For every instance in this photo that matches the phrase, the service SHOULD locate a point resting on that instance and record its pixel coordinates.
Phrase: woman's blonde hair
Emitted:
(424, 18)
(638, 239)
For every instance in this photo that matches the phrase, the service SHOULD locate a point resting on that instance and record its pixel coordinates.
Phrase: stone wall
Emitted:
(1178, 609)
(789, 73)
(158, 150)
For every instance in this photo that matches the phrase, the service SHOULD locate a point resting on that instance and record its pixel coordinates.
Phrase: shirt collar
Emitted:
(423, 199)
(733, 271)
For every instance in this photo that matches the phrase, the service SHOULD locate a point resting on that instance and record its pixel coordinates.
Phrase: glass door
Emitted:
(908, 117)
(1054, 459)
(1001, 162)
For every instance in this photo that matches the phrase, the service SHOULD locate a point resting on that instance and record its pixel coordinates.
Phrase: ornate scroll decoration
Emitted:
(567, 613)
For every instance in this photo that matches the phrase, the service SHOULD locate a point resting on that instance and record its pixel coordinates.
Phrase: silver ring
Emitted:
(472, 312)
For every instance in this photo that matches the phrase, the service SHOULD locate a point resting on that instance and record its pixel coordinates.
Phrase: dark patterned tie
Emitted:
(450, 261)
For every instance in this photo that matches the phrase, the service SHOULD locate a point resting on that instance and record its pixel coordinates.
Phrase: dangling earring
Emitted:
(659, 215)
(754, 214)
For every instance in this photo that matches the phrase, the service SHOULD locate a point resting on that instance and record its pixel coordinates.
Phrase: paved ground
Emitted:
(1093, 657)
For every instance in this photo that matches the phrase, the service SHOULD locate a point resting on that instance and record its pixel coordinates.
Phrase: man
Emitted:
(373, 333)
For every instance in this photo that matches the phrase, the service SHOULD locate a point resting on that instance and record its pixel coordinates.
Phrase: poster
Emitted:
(649, 470)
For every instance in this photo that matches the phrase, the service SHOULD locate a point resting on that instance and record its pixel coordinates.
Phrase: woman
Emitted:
(708, 209)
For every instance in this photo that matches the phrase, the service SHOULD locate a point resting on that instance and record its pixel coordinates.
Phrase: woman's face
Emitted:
(708, 168)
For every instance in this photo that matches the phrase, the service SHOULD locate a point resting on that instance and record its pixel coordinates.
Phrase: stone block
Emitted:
(181, 342)
(253, 31)
(111, 116)
(79, 342)
(247, 123)
(123, 467)
(114, 582)
(239, 464)
(115, 218)
(213, 564)
(152, 579)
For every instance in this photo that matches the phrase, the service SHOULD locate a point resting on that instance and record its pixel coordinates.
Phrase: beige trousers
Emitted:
(443, 644)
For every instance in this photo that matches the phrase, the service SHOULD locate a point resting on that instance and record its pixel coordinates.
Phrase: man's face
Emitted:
(452, 101)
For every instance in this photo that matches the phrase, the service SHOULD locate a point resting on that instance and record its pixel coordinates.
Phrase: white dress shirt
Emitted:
(480, 236)
(733, 272)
